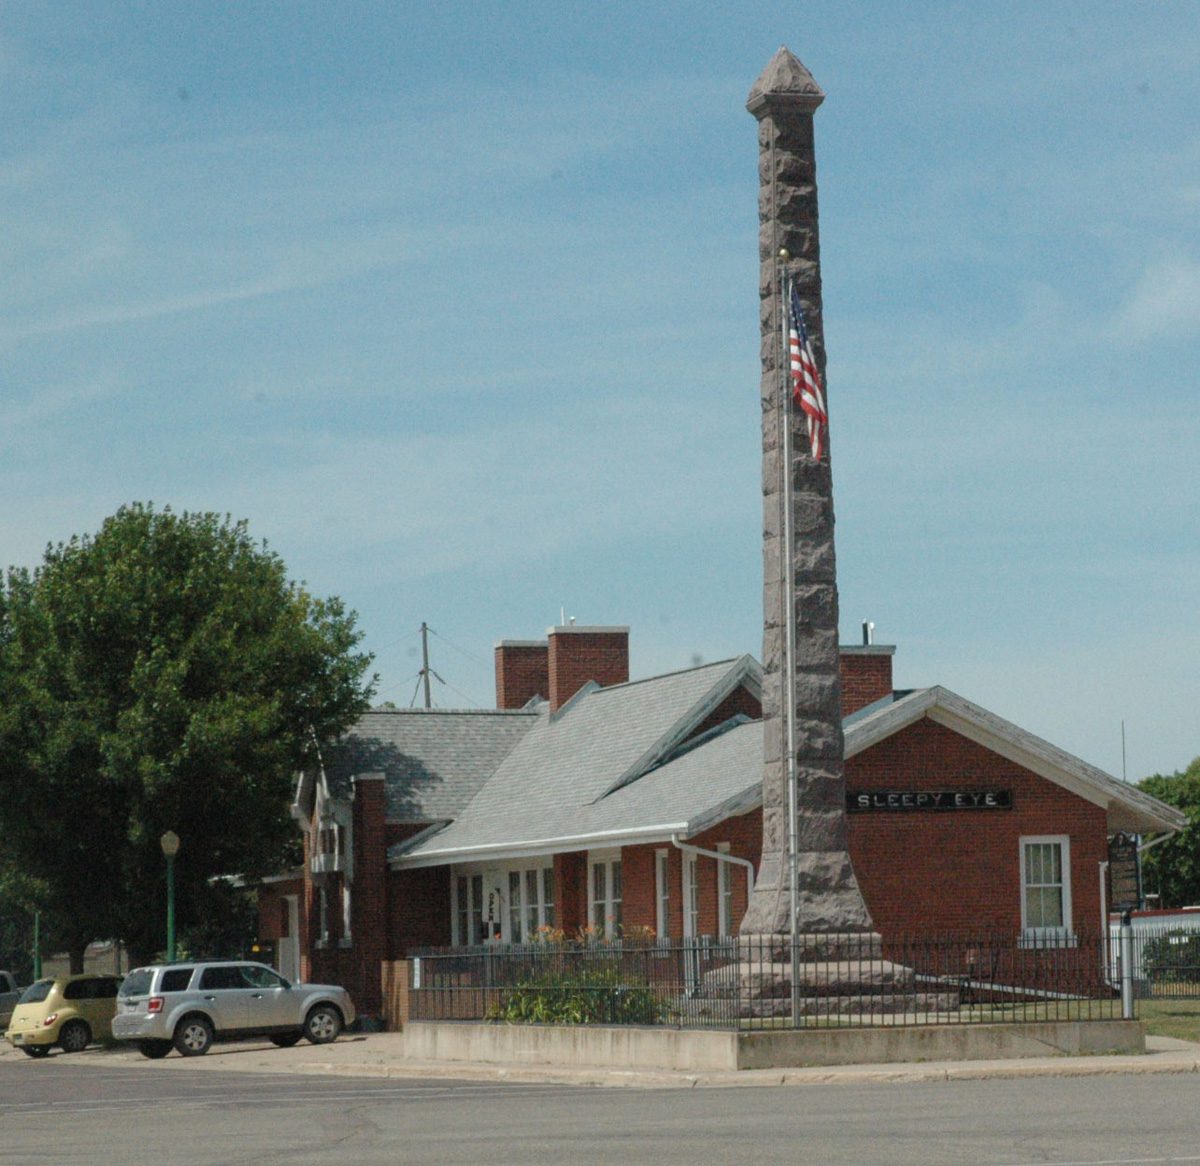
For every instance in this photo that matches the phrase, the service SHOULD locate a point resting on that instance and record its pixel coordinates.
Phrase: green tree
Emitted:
(1173, 869)
(162, 674)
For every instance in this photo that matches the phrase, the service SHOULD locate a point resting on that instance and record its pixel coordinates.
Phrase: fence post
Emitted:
(1126, 967)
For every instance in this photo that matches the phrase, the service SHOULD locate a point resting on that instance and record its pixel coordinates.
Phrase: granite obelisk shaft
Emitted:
(783, 100)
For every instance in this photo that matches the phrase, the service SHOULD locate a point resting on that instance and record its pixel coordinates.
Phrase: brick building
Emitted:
(589, 800)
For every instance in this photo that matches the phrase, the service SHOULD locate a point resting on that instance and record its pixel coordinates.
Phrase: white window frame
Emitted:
(691, 896)
(1036, 936)
(724, 894)
(662, 894)
(477, 888)
(604, 911)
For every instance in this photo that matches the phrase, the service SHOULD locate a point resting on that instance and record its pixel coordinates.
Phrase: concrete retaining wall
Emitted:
(668, 1048)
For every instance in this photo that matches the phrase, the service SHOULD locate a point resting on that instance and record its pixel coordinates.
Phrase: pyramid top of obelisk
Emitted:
(785, 81)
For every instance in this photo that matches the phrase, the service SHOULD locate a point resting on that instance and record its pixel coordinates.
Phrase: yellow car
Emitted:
(68, 1011)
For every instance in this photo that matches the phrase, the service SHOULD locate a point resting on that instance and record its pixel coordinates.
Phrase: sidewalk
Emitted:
(382, 1055)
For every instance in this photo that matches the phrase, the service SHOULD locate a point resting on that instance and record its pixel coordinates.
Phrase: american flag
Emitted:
(806, 381)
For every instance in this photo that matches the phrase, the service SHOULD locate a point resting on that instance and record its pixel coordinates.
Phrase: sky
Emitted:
(457, 306)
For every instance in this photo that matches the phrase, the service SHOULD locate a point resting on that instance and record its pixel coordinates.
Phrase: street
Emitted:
(64, 1111)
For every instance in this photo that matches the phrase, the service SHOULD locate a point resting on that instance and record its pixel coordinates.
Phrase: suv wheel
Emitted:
(287, 1040)
(75, 1037)
(193, 1036)
(323, 1024)
(154, 1049)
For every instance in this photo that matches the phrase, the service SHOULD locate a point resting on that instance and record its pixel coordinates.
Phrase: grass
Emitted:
(1177, 1018)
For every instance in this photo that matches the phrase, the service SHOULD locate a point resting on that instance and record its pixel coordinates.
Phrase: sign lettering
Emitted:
(903, 801)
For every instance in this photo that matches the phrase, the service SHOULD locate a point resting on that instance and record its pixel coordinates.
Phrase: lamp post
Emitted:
(170, 847)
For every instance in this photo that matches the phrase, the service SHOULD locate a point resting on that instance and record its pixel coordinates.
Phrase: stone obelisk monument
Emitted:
(828, 899)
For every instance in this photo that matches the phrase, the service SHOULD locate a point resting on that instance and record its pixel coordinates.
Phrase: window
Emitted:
(662, 893)
(724, 893)
(514, 905)
(173, 980)
(468, 895)
(605, 904)
(222, 979)
(691, 897)
(1046, 889)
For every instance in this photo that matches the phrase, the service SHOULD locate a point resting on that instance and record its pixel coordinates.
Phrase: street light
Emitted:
(170, 847)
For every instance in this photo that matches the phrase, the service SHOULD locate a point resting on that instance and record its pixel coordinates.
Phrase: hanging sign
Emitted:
(1124, 872)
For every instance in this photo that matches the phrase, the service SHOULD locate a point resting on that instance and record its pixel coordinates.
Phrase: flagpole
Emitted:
(789, 641)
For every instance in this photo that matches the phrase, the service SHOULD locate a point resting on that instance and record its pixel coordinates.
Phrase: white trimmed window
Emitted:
(604, 894)
(662, 894)
(724, 893)
(1046, 889)
(468, 909)
(504, 903)
(691, 897)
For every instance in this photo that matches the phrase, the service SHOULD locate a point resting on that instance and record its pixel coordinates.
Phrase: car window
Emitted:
(221, 978)
(258, 977)
(80, 990)
(175, 979)
(36, 993)
(137, 983)
(105, 988)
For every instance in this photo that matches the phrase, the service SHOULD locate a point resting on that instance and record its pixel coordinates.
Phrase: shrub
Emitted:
(582, 995)
(1172, 958)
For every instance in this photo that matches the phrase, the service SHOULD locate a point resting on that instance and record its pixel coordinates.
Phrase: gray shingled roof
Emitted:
(434, 761)
(554, 781)
(560, 786)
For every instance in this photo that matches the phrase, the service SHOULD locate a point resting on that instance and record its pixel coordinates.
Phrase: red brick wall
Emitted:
(578, 655)
(639, 888)
(570, 886)
(865, 677)
(960, 870)
(368, 893)
(522, 672)
(420, 905)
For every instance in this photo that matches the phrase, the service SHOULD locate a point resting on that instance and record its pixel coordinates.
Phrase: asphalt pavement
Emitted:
(382, 1055)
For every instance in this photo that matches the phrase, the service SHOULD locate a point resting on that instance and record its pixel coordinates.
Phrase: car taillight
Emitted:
(50, 1019)
(154, 1004)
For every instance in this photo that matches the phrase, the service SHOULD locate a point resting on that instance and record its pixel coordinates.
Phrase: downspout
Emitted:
(720, 856)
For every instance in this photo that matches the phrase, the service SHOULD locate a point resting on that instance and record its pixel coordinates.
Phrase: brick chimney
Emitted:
(865, 672)
(522, 672)
(580, 654)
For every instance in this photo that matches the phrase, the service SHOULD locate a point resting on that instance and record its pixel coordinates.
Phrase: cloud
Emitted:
(1165, 301)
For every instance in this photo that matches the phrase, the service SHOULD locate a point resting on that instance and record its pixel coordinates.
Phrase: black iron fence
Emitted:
(759, 982)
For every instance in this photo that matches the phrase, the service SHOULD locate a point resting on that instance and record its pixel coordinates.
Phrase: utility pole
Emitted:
(425, 662)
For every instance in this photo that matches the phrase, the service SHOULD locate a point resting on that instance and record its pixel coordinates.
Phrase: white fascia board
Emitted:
(749, 799)
(744, 670)
(538, 847)
(896, 716)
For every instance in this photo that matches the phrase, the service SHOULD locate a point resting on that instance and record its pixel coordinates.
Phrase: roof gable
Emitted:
(602, 740)
(1128, 807)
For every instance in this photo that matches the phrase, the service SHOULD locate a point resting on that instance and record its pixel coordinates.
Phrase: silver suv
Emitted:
(188, 1006)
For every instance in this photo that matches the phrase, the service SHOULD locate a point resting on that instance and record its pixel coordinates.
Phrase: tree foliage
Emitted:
(162, 674)
(1173, 868)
